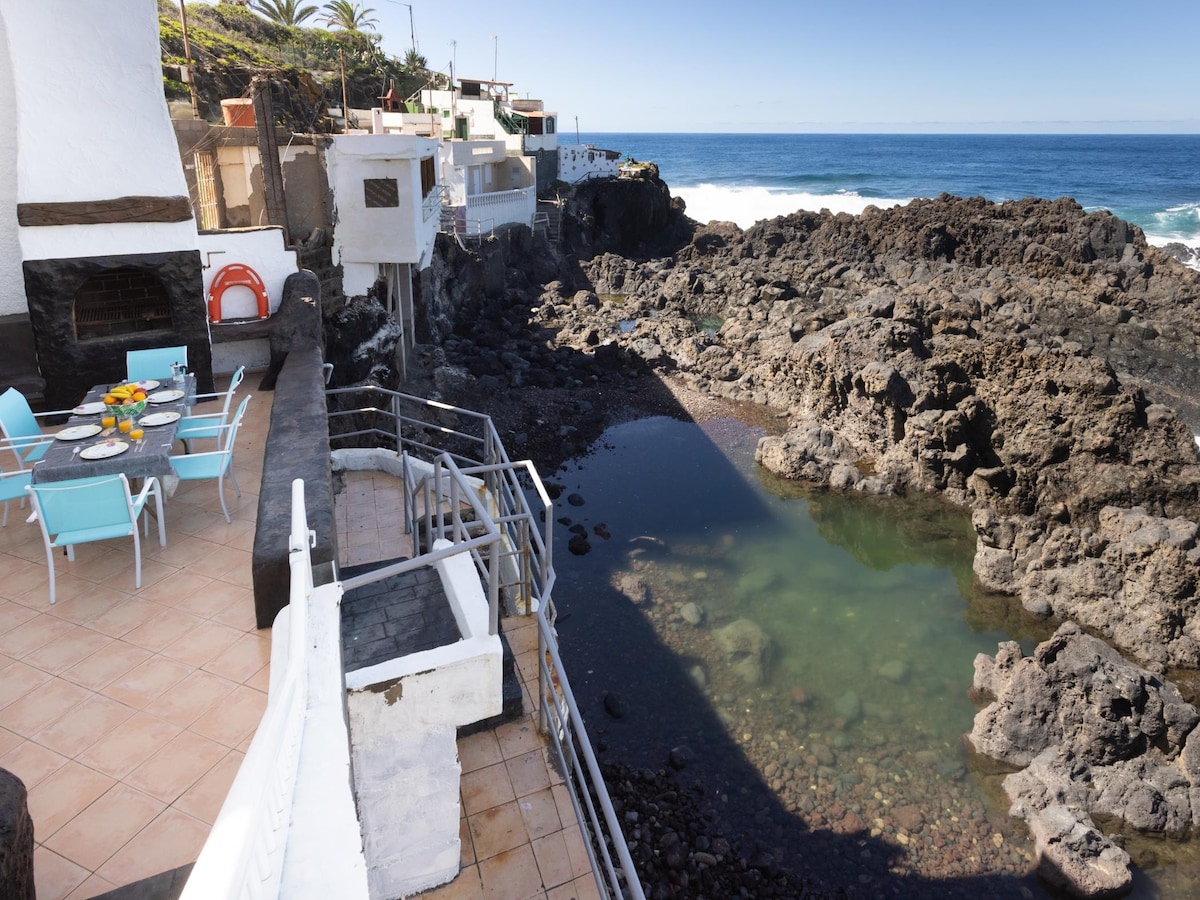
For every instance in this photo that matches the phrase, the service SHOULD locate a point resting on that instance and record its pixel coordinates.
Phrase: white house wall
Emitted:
(263, 250)
(366, 237)
(117, 140)
(577, 162)
(12, 281)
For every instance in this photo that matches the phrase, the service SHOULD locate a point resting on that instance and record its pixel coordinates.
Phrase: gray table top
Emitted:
(62, 463)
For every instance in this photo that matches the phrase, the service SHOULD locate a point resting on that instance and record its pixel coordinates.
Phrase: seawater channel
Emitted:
(842, 752)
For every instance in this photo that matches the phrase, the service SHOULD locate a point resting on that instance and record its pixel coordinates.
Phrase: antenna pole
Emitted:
(187, 54)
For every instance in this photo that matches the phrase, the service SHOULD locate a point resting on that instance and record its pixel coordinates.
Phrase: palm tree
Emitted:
(285, 12)
(348, 16)
(414, 61)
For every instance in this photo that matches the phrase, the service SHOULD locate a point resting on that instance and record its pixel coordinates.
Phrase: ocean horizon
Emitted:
(1151, 180)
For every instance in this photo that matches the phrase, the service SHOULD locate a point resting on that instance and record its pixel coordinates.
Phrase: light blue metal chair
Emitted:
(208, 425)
(12, 483)
(20, 428)
(141, 365)
(94, 509)
(216, 464)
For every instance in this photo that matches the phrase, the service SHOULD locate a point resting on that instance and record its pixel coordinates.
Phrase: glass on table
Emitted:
(108, 421)
(124, 424)
(136, 433)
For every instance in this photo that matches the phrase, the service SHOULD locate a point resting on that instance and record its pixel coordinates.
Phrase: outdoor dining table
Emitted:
(64, 458)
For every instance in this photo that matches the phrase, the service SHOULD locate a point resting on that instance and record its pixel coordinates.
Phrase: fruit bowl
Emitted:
(131, 408)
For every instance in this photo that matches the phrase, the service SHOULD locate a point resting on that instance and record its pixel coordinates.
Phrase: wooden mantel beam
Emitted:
(105, 212)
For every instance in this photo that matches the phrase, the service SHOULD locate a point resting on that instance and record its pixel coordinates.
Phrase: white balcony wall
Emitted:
(487, 211)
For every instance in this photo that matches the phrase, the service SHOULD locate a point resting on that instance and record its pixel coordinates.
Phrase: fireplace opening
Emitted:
(121, 301)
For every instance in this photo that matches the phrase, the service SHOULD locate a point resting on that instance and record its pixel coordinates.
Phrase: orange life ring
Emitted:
(236, 275)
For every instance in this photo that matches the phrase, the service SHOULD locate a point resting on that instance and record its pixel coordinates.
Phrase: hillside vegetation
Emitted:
(231, 44)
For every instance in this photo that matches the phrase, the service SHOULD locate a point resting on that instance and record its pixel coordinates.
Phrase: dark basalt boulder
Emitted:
(1092, 735)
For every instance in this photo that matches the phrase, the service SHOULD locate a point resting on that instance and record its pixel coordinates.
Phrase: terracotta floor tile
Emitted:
(55, 877)
(185, 552)
(83, 609)
(176, 589)
(91, 720)
(165, 628)
(62, 795)
(93, 887)
(221, 561)
(203, 799)
(13, 614)
(153, 572)
(31, 762)
(241, 659)
(177, 766)
(171, 840)
(191, 698)
(202, 643)
(554, 864)
(105, 826)
(497, 829)
(527, 773)
(517, 738)
(512, 875)
(466, 847)
(125, 747)
(8, 740)
(466, 886)
(17, 680)
(540, 813)
(101, 669)
(41, 706)
(580, 889)
(236, 607)
(126, 616)
(581, 863)
(234, 719)
(101, 561)
(144, 684)
(521, 638)
(485, 788)
(478, 750)
(20, 641)
(65, 651)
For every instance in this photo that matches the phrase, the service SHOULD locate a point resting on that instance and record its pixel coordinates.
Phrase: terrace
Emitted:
(128, 713)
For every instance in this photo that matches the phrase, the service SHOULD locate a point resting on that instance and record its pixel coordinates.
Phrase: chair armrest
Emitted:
(198, 455)
(54, 412)
(148, 486)
(184, 419)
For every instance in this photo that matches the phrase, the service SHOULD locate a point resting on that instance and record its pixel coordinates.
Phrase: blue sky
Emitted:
(798, 65)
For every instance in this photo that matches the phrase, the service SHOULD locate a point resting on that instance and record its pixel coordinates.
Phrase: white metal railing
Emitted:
(508, 490)
(244, 853)
(503, 207)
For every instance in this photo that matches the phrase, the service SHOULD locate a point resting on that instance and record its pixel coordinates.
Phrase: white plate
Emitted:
(163, 418)
(148, 385)
(104, 450)
(165, 397)
(78, 432)
(89, 409)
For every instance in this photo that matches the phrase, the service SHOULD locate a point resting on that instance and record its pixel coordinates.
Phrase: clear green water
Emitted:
(873, 626)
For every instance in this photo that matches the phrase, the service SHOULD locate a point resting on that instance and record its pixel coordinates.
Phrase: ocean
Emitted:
(1152, 181)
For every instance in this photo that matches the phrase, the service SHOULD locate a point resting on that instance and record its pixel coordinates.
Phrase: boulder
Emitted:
(746, 649)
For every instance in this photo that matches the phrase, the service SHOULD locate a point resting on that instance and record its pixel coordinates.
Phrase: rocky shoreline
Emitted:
(1024, 360)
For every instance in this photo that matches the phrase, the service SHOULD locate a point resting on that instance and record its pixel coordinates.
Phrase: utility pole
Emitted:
(187, 54)
(345, 106)
(495, 56)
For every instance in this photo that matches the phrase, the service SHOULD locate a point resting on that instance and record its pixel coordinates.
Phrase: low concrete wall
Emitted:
(297, 447)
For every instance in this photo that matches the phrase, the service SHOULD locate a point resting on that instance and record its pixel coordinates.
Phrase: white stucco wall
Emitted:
(12, 281)
(578, 162)
(94, 129)
(263, 250)
(365, 237)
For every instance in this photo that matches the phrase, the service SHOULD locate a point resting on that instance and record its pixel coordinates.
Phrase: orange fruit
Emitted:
(139, 395)
(109, 400)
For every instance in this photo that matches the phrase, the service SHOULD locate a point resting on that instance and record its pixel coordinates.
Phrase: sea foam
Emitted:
(746, 205)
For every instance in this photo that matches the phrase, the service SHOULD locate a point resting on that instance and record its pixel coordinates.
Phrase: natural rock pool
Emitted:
(811, 651)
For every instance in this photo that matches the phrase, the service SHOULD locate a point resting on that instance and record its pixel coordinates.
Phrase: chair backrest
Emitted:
(99, 502)
(154, 363)
(231, 434)
(17, 421)
(233, 386)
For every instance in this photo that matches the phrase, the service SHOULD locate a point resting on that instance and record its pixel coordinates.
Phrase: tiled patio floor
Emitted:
(126, 712)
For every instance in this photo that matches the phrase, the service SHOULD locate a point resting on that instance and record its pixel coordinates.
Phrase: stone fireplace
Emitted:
(87, 312)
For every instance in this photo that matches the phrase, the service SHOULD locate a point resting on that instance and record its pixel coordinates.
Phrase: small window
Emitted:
(549, 124)
(428, 175)
(379, 193)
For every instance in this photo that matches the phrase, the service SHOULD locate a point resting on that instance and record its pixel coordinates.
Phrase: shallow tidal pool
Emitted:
(811, 651)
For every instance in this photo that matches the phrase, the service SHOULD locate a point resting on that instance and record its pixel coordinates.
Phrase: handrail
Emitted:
(245, 850)
(503, 509)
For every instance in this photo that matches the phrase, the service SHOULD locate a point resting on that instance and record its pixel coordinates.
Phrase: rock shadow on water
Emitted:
(610, 602)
